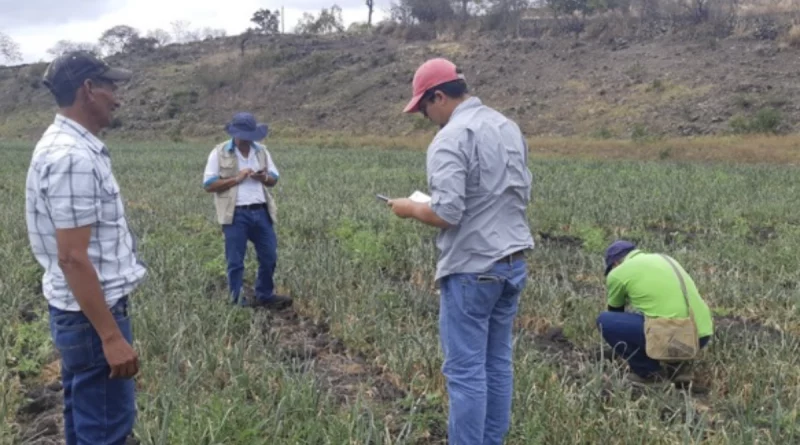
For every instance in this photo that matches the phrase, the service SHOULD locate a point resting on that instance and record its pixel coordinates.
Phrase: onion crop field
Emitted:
(357, 360)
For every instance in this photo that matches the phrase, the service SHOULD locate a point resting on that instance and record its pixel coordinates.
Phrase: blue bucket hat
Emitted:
(617, 251)
(244, 126)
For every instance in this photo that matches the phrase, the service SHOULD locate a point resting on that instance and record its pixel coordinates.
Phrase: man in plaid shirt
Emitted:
(79, 234)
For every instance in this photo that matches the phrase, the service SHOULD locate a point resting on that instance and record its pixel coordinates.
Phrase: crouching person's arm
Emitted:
(617, 295)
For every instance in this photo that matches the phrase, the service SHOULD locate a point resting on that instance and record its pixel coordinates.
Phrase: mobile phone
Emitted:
(382, 198)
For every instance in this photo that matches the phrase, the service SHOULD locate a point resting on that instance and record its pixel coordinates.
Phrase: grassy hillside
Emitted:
(605, 88)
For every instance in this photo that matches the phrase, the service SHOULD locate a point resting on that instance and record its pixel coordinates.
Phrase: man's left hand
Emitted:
(260, 176)
(263, 177)
(403, 207)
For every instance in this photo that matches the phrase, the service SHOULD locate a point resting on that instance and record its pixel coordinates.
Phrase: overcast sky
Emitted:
(36, 25)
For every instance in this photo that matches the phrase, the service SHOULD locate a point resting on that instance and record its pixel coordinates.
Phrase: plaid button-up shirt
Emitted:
(70, 184)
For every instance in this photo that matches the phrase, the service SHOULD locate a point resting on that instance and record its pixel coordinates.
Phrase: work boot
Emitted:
(679, 372)
(277, 302)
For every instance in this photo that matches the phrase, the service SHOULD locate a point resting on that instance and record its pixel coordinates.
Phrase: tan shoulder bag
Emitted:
(672, 339)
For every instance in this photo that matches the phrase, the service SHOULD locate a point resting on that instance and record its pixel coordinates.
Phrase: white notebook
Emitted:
(418, 196)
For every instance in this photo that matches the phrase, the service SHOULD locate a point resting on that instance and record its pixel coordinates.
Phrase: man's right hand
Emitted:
(244, 174)
(121, 357)
(73, 259)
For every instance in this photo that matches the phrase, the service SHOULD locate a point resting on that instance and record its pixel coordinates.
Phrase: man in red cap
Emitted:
(480, 188)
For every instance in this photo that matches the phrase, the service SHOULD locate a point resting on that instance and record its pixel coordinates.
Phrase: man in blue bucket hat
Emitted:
(653, 285)
(239, 173)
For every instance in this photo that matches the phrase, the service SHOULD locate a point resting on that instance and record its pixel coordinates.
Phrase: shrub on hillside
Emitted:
(793, 36)
(386, 28)
(418, 32)
(358, 28)
(767, 120)
(329, 21)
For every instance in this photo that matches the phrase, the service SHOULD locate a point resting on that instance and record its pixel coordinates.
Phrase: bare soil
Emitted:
(309, 347)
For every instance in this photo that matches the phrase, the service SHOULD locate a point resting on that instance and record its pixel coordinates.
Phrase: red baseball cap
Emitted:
(432, 73)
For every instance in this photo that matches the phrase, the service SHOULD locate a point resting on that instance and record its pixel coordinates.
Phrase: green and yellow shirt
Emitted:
(648, 282)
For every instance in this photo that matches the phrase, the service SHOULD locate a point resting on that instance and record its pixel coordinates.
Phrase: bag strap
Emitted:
(683, 285)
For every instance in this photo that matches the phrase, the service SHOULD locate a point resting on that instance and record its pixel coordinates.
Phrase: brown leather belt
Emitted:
(518, 255)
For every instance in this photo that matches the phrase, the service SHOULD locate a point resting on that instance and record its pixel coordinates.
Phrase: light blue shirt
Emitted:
(479, 182)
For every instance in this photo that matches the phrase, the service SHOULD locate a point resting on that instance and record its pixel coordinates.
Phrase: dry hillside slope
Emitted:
(358, 85)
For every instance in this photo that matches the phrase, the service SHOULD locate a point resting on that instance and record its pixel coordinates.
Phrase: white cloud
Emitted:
(15, 13)
(35, 37)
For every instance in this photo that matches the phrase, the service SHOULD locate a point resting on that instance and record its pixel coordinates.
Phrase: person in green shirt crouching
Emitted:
(649, 283)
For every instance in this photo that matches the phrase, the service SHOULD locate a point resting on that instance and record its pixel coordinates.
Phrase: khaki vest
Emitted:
(225, 202)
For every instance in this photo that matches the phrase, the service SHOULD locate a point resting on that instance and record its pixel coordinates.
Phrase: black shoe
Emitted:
(277, 302)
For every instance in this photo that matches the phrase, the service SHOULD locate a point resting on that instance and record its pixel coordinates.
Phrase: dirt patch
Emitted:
(41, 417)
(673, 235)
(309, 347)
(562, 241)
(761, 234)
(554, 343)
(740, 327)
(571, 359)
(27, 313)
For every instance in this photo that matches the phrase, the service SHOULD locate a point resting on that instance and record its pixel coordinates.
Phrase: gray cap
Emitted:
(67, 72)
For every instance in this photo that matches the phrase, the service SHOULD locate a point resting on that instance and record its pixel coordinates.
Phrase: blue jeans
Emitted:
(254, 225)
(624, 332)
(97, 410)
(476, 318)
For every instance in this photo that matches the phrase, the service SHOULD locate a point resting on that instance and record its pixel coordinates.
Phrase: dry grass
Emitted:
(51, 372)
(756, 149)
(793, 37)
(735, 149)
